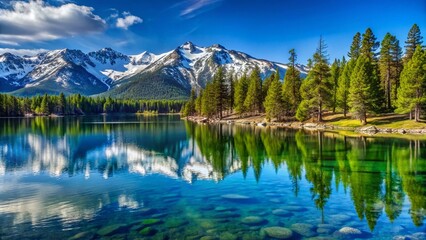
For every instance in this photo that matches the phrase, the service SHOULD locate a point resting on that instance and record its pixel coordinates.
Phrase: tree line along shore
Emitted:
(376, 80)
(60, 105)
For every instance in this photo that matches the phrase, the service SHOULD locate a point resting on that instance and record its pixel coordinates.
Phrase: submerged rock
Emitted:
(254, 221)
(110, 229)
(281, 212)
(226, 215)
(208, 238)
(340, 217)
(224, 209)
(237, 198)
(206, 223)
(324, 230)
(146, 211)
(148, 231)
(419, 235)
(304, 229)
(85, 235)
(295, 208)
(175, 222)
(228, 236)
(151, 221)
(277, 232)
(350, 232)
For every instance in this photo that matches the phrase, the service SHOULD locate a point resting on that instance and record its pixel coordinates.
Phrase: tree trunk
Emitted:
(320, 112)
(388, 93)
(411, 115)
(344, 110)
(417, 113)
(365, 119)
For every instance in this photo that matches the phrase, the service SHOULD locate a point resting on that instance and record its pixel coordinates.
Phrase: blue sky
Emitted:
(262, 28)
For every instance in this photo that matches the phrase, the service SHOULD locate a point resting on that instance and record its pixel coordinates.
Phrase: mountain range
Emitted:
(170, 75)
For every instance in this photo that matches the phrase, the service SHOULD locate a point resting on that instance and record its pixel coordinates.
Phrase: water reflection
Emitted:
(379, 174)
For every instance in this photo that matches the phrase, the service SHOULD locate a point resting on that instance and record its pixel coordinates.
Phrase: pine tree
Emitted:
(44, 107)
(355, 49)
(412, 91)
(240, 94)
(291, 86)
(414, 39)
(189, 108)
(310, 63)
(344, 85)
(62, 103)
(220, 91)
(198, 103)
(305, 109)
(109, 106)
(369, 45)
(361, 93)
(266, 83)
(389, 65)
(253, 101)
(231, 84)
(209, 101)
(335, 72)
(273, 101)
(317, 89)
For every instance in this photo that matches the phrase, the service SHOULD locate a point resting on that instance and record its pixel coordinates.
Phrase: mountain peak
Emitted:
(108, 55)
(189, 46)
(8, 57)
(218, 46)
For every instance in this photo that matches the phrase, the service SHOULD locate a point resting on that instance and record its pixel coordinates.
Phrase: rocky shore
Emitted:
(260, 122)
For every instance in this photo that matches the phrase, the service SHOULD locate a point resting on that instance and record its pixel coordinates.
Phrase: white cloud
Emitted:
(196, 7)
(35, 21)
(22, 52)
(127, 20)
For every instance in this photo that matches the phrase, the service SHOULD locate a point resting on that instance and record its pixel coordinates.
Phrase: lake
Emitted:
(159, 177)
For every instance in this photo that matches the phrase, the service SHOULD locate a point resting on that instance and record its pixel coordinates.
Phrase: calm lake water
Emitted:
(132, 177)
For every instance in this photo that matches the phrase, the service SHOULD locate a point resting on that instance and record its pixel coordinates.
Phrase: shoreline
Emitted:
(259, 121)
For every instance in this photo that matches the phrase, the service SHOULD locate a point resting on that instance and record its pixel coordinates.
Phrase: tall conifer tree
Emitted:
(253, 101)
(355, 48)
(362, 84)
(273, 101)
(389, 64)
(291, 86)
(414, 39)
(412, 91)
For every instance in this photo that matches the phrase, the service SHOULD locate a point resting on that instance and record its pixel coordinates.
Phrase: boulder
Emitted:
(237, 198)
(369, 130)
(254, 221)
(281, 212)
(277, 232)
(262, 124)
(110, 229)
(303, 229)
(310, 125)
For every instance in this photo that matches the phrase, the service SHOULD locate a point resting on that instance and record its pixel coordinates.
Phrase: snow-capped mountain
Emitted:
(112, 65)
(68, 71)
(194, 66)
(146, 75)
(13, 68)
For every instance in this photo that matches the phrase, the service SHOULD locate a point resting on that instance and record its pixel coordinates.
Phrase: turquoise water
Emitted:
(130, 177)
